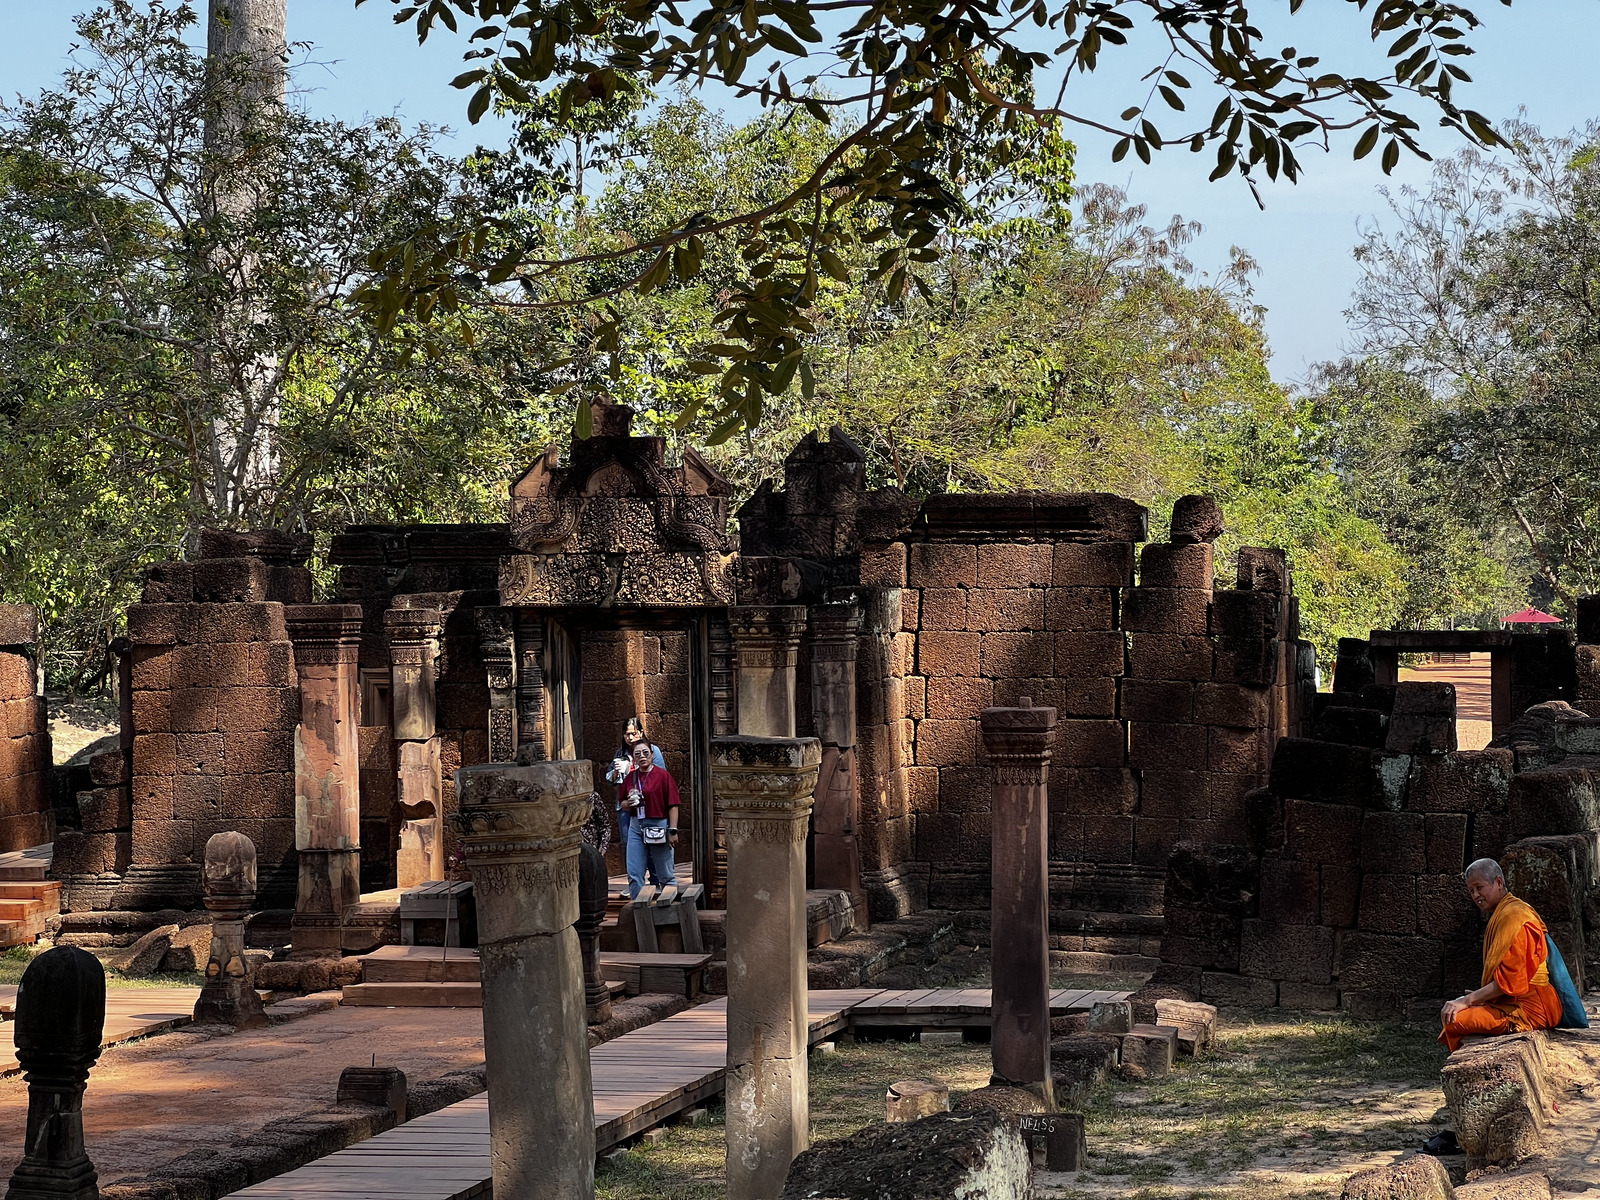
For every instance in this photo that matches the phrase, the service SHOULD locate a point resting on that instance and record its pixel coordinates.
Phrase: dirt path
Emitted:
(151, 1101)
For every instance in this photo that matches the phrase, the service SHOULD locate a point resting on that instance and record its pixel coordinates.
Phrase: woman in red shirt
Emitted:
(649, 794)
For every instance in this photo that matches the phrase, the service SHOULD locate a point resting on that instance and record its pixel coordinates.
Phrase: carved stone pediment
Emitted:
(617, 525)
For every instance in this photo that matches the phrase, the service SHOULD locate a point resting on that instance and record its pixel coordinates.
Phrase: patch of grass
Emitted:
(847, 1093)
(1279, 1108)
(15, 959)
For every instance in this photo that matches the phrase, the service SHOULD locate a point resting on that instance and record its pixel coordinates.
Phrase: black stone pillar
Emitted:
(61, 1015)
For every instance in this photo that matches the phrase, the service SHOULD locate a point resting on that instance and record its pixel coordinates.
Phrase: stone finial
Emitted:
(228, 996)
(61, 1015)
(1196, 520)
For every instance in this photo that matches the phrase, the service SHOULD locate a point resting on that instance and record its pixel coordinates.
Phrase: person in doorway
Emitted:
(650, 795)
(1517, 993)
(621, 763)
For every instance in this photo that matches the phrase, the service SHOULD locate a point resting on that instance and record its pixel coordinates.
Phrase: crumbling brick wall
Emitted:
(1356, 850)
(1170, 694)
(25, 815)
(215, 702)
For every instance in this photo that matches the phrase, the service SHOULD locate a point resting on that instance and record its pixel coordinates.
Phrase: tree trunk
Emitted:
(247, 44)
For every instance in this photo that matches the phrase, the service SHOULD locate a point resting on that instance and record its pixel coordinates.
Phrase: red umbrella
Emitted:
(1531, 616)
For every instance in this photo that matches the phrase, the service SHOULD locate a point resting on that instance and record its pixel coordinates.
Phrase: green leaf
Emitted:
(583, 419)
(479, 104)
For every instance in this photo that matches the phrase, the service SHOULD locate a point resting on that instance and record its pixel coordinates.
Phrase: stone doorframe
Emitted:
(516, 648)
(1387, 645)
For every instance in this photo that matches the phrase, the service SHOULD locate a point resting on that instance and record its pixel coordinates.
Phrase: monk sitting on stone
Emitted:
(1516, 994)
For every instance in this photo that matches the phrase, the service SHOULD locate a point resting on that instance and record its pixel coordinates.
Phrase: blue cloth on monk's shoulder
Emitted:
(1573, 1015)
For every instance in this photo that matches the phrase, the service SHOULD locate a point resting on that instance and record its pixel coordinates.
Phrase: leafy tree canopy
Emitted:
(923, 101)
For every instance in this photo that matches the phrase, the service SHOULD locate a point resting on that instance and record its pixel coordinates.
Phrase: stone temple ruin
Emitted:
(1207, 806)
(1014, 709)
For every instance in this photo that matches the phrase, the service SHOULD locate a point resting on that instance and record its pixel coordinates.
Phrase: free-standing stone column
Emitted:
(764, 787)
(413, 646)
(766, 640)
(229, 996)
(836, 860)
(520, 826)
(592, 898)
(61, 1013)
(327, 772)
(1017, 742)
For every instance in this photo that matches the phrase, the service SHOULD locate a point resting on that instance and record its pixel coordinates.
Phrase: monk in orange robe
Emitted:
(1516, 994)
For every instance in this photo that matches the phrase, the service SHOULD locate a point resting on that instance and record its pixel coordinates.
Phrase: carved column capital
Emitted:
(324, 634)
(765, 786)
(834, 631)
(767, 635)
(1018, 742)
(411, 632)
(520, 827)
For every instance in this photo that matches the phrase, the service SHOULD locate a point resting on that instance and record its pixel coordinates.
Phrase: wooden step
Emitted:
(674, 974)
(424, 995)
(23, 910)
(415, 995)
(47, 891)
(420, 964)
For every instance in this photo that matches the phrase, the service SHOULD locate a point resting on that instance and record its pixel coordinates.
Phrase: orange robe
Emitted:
(1515, 957)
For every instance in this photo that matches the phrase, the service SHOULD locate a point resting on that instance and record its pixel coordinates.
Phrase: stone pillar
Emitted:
(764, 787)
(61, 1014)
(413, 646)
(497, 641)
(1017, 742)
(836, 859)
(327, 772)
(520, 826)
(593, 886)
(229, 996)
(766, 639)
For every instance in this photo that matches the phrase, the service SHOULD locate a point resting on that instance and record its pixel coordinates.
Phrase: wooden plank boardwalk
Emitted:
(640, 1080)
(130, 1013)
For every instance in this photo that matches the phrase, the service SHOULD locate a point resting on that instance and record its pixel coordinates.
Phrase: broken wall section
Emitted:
(25, 757)
(214, 705)
(1171, 692)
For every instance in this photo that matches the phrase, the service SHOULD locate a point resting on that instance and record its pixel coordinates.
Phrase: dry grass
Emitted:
(1283, 1109)
(14, 961)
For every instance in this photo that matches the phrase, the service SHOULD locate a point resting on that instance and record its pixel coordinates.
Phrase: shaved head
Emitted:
(1486, 869)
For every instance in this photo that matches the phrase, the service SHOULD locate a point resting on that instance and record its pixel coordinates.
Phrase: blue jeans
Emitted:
(641, 854)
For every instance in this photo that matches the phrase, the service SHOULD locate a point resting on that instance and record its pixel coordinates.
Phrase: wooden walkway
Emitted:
(130, 1013)
(640, 1080)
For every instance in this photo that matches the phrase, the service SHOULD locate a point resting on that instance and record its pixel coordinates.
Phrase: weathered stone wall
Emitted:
(24, 735)
(1349, 895)
(215, 702)
(1170, 691)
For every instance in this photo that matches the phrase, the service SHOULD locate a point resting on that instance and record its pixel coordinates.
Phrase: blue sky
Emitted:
(1537, 56)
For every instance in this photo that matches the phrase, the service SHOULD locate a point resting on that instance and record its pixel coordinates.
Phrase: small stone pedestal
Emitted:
(229, 996)
(61, 1013)
(520, 826)
(1017, 742)
(764, 787)
(327, 780)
